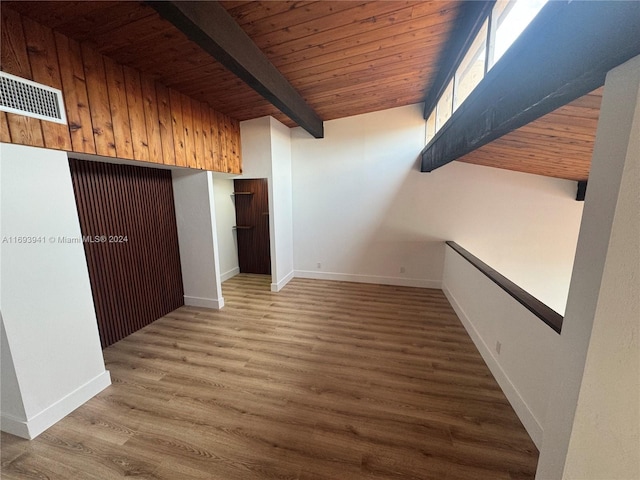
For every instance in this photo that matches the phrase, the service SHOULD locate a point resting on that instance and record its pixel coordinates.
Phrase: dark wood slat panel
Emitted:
(43, 57)
(136, 281)
(135, 105)
(76, 99)
(339, 381)
(99, 102)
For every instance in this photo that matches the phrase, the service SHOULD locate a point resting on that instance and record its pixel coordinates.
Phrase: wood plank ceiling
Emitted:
(344, 57)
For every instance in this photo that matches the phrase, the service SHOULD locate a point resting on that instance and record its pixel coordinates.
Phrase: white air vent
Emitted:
(24, 97)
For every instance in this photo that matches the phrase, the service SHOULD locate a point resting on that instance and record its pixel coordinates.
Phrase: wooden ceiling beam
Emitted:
(210, 26)
(565, 53)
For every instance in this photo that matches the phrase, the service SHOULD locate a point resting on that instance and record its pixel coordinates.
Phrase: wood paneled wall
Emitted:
(112, 110)
(128, 215)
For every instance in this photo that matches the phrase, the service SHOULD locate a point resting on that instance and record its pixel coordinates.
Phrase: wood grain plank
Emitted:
(235, 125)
(166, 124)
(45, 68)
(136, 107)
(152, 120)
(189, 138)
(99, 107)
(223, 164)
(197, 133)
(74, 89)
(5, 135)
(15, 60)
(119, 109)
(178, 128)
(207, 161)
(215, 141)
(323, 380)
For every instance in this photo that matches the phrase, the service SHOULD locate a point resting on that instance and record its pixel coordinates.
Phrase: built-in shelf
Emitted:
(243, 227)
(242, 193)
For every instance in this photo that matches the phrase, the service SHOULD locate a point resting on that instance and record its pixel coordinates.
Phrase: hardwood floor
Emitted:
(324, 380)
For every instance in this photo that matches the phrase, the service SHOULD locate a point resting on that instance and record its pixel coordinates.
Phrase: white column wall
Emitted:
(280, 205)
(593, 425)
(266, 153)
(225, 220)
(197, 238)
(45, 297)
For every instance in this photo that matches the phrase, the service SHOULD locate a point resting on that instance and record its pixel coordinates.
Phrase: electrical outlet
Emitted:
(498, 347)
(319, 265)
(401, 269)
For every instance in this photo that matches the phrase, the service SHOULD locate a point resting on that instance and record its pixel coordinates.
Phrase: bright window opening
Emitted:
(509, 18)
(444, 109)
(471, 70)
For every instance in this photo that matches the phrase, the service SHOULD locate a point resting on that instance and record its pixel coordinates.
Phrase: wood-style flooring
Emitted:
(324, 380)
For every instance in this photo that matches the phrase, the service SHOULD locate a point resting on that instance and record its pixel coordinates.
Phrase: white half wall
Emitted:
(197, 238)
(525, 365)
(225, 220)
(362, 210)
(45, 294)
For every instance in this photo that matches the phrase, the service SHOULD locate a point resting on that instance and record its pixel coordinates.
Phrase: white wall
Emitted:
(525, 365)
(225, 220)
(46, 301)
(266, 153)
(280, 204)
(197, 238)
(593, 423)
(362, 209)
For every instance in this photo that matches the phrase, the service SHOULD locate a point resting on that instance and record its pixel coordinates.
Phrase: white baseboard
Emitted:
(213, 303)
(526, 416)
(230, 274)
(347, 277)
(37, 424)
(276, 287)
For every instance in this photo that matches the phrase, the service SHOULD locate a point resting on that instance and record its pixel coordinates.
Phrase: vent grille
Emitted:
(31, 99)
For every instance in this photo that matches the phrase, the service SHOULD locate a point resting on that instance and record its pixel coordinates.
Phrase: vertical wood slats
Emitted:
(112, 110)
(136, 281)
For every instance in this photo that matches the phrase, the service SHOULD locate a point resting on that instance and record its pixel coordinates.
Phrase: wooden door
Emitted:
(133, 258)
(252, 225)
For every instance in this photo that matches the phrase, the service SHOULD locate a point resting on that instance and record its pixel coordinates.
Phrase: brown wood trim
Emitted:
(531, 303)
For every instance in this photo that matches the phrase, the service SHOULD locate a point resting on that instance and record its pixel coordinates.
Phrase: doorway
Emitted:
(252, 225)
